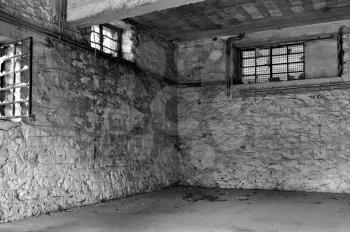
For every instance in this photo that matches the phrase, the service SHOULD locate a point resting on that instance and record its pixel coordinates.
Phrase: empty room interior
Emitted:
(175, 115)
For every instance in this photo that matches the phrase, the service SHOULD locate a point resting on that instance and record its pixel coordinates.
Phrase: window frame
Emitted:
(271, 64)
(13, 87)
(119, 51)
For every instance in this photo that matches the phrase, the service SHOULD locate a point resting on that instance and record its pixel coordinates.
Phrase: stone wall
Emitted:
(155, 55)
(101, 130)
(202, 61)
(40, 11)
(287, 141)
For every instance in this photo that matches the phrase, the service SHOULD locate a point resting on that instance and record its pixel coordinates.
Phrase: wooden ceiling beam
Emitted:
(262, 8)
(319, 4)
(232, 9)
(83, 13)
(307, 18)
(297, 6)
(284, 6)
(237, 12)
(253, 11)
(272, 8)
(218, 16)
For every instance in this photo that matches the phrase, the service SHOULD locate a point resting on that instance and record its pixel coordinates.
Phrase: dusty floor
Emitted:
(194, 209)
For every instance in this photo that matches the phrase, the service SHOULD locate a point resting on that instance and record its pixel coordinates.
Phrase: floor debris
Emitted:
(201, 197)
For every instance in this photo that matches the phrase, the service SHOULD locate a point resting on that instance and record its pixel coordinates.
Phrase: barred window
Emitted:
(16, 79)
(273, 64)
(113, 41)
(106, 39)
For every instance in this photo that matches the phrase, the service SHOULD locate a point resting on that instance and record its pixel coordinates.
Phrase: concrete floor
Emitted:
(195, 209)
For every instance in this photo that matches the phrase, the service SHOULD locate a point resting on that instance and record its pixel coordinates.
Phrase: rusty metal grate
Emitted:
(16, 79)
(272, 64)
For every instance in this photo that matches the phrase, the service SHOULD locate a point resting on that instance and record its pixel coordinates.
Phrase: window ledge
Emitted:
(291, 86)
(6, 125)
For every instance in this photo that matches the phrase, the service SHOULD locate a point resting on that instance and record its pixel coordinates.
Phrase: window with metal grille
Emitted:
(16, 79)
(107, 39)
(272, 64)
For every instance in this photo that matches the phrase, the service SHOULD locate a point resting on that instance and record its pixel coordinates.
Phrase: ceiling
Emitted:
(213, 18)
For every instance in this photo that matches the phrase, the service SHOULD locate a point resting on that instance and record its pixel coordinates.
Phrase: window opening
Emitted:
(16, 79)
(272, 64)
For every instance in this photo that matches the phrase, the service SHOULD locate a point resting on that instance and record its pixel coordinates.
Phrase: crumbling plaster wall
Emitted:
(100, 130)
(287, 141)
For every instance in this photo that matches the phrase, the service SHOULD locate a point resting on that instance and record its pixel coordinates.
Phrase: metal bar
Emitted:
(13, 102)
(14, 87)
(271, 63)
(120, 43)
(2, 80)
(287, 62)
(276, 55)
(288, 72)
(250, 48)
(255, 67)
(18, 71)
(110, 49)
(12, 117)
(30, 75)
(292, 53)
(275, 73)
(239, 68)
(296, 62)
(245, 58)
(340, 42)
(114, 40)
(304, 60)
(101, 37)
(14, 81)
(13, 57)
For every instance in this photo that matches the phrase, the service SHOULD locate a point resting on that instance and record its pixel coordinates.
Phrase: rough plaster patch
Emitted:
(159, 103)
(226, 135)
(153, 57)
(201, 61)
(187, 126)
(126, 85)
(215, 55)
(202, 155)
